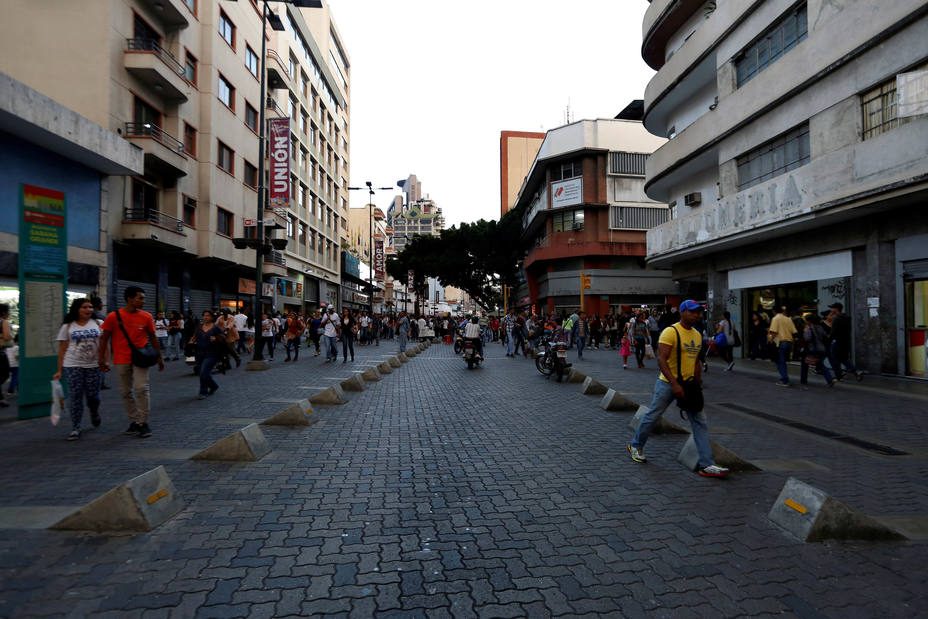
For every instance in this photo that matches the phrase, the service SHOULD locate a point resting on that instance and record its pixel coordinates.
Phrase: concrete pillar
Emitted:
(717, 296)
(162, 285)
(185, 288)
(873, 311)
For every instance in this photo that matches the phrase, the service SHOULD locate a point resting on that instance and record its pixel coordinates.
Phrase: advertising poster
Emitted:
(379, 272)
(279, 162)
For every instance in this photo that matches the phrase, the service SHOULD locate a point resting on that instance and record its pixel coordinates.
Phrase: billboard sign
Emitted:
(279, 166)
(409, 280)
(379, 272)
(567, 193)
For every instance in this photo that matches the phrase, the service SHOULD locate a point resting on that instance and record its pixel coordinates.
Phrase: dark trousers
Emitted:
(640, 343)
(294, 345)
(347, 344)
(207, 381)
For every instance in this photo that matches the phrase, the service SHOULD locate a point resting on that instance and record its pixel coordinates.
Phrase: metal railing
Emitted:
(272, 105)
(637, 217)
(151, 216)
(149, 130)
(276, 257)
(152, 46)
(273, 54)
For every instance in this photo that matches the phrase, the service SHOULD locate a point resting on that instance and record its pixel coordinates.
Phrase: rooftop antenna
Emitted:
(567, 113)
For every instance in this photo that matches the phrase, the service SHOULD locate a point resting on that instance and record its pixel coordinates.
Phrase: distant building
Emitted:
(795, 168)
(517, 150)
(414, 216)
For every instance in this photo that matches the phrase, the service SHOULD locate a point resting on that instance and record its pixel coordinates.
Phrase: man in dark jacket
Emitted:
(841, 342)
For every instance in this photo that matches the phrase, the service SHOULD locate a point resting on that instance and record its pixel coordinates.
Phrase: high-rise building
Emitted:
(180, 80)
(795, 166)
(517, 150)
(415, 216)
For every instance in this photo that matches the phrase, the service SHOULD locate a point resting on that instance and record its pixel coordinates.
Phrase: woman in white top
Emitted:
(79, 361)
(726, 351)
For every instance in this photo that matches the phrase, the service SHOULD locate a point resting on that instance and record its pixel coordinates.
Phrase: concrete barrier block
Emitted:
(662, 426)
(412, 351)
(394, 362)
(813, 516)
(592, 387)
(689, 457)
(402, 357)
(355, 383)
(576, 376)
(293, 415)
(384, 368)
(257, 366)
(138, 505)
(370, 375)
(246, 445)
(333, 395)
(615, 401)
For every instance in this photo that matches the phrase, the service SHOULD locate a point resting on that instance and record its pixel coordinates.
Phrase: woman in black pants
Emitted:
(349, 328)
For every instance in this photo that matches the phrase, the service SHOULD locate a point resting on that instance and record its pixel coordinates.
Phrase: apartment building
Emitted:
(517, 151)
(795, 166)
(180, 80)
(584, 209)
(362, 223)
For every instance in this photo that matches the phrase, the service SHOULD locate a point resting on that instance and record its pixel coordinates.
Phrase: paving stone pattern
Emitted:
(445, 492)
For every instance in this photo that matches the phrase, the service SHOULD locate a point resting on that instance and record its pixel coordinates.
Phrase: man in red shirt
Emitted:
(133, 380)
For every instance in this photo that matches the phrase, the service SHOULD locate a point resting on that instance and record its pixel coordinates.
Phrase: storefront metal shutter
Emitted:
(173, 300)
(915, 269)
(200, 300)
(149, 289)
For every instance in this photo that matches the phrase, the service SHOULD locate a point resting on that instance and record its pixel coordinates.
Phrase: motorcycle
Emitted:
(458, 341)
(552, 359)
(470, 354)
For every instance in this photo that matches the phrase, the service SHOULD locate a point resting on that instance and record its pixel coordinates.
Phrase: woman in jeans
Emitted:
(207, 339)
(349, 328)
(642, 333)
(174, 328)
(79, 362)
(815, 351)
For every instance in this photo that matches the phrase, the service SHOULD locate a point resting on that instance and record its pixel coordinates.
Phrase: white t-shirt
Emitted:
(161, 327)
(330, 321)
(267, 327)
(364, 321)
(12, 355)
(241, 322)
(83, 344)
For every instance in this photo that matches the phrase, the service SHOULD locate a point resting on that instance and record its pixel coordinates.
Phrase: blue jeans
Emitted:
(840, 356)
(783, 351)
(581, 342)
(331, 347)
(173, 349)
(207, 381)
(663, 396)
(402, 338)
(510, 344)
(804, 370)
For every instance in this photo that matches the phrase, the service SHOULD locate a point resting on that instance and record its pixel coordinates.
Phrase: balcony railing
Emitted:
(273, 54)
(151, 216)
(148, 130)
(272, 105)
(637, 217)
(152, 46)
(276, 257)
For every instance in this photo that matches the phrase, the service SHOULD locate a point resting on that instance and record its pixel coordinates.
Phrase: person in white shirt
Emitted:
(78, 361)
(161, 330)
(267, 336)
(245, 335)
(472, 332)
(330, 327)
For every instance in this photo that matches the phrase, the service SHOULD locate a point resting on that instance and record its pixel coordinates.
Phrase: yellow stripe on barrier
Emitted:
(158, 495)
(799, 508)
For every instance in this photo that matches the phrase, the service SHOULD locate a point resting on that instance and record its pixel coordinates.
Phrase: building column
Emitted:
(162, 285)
(873, 311)
(185, 289)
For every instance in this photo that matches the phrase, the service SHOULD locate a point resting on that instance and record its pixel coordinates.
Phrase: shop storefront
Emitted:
(912, 273)
(289, 295)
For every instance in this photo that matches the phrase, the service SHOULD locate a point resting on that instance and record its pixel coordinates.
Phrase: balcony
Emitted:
(277, 75)
(164, 154)
(154, 228)
(275, 263)
(173, 13)
(154, 65)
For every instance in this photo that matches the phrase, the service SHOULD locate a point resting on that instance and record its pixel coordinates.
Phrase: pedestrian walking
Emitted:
(680, 379)
(293, 329)
(349, 331)
(330, 326)
(210, 344)
(581, 330)
(131, 328)
(6, 340)
(840, 351)
(815, 351)
(725, 341)
(12, 356)
(402, 330)
(757, 337)
(175, 326)
(642, 334)
(161, 331)
(626, 350)
(226, 322)
(241, 325)
(781, 333)
(79, 363)
(267, 336)
(314, 328)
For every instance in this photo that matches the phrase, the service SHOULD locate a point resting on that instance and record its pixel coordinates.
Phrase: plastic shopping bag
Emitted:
(648, 351)
(57, 401)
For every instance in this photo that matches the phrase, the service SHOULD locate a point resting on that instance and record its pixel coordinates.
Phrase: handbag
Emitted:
(692, 400)
(144, 357)
(720, 340)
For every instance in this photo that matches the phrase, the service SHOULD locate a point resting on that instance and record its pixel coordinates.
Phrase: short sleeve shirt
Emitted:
(691, 341)
(83, 344)
(138, 325)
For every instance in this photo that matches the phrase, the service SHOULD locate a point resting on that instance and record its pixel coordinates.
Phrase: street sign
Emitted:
(251, 223)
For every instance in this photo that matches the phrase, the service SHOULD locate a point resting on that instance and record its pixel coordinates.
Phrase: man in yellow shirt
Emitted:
(782, 330)
(681, 335)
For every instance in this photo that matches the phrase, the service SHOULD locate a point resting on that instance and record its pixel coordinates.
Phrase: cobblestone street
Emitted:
(488, 493)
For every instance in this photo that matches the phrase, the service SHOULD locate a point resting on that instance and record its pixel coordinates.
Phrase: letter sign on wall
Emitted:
(279, 158)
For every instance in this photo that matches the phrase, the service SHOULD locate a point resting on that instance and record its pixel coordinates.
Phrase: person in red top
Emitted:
(133, 380)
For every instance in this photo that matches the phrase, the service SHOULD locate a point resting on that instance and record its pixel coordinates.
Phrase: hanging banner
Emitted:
(409, 280)
(43, 275)
(279, 162)
(379, 260)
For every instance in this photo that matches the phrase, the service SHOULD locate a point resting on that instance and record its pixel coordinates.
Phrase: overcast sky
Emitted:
(433, 82)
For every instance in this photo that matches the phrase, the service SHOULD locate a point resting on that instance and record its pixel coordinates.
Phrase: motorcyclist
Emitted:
(472, 332)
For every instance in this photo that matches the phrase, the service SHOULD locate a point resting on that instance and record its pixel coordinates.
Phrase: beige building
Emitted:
(180, 79)
(517, 151)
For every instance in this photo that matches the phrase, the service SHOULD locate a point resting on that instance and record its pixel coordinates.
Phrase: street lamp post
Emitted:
(370, 241)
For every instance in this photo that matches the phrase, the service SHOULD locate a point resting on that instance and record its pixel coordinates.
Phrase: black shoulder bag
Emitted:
(144, 357)
(692, 400)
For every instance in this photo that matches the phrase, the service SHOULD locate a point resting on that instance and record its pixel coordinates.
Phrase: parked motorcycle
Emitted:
(470, 354)
(552, 360)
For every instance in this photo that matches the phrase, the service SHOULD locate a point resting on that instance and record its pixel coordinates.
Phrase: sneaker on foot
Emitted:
(144, 431)
(832, 382)
(95, 419)
(713, 471)
(132, 429)
(74, 435)
(859, 375)
(213, 389)
(202, 396)
(636, 454)
(731, 366)
(780, 383)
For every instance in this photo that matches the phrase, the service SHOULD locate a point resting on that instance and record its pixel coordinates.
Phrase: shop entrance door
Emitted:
(916, 327)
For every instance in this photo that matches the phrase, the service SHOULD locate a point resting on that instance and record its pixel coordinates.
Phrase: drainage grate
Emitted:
(836, 436)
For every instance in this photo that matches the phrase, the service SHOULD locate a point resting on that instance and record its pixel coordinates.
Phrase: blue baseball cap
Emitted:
(690, 305)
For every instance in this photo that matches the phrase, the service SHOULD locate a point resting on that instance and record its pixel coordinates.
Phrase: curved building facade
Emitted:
(795, 165)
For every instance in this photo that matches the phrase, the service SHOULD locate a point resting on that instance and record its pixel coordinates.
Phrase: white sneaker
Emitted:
(714, 471)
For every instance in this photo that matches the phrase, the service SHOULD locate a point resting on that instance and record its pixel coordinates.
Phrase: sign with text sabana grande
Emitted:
(279, 166)
(43, 276)
(567, 193)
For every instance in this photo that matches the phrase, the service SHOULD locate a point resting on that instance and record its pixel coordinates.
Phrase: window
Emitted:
(226, 28)
(781, 37)
(144, 115)
(192, 5)
(569, 220)
(225, 224)
(251, 117)
(226, 158)
(672, 208)
(302, 234)
(782, 154)
(303, 123)
(144, 200)
(226, 92)
(304, 82)
(190, 68)
(879, 107)
(569, 169)
(251, 60)
(141, 29)
(251, 175)
(290, 222)
(190, 212)
(627, 163)
(190, 140)
(291, 68)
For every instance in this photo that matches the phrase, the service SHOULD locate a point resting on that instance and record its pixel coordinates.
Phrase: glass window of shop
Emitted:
(916, 327)
(801, 297)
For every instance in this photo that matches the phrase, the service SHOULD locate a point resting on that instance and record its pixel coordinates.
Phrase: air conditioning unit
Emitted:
(692, 199)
